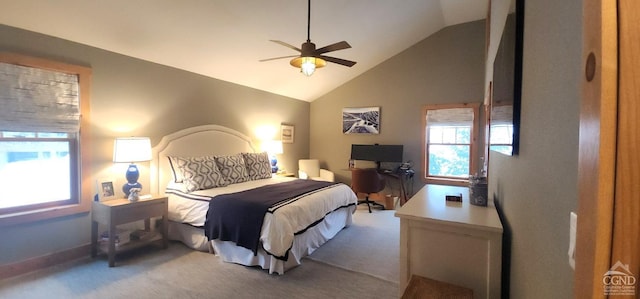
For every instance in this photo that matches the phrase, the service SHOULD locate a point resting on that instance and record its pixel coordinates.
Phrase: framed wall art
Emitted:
(361, 120)
(286, 133)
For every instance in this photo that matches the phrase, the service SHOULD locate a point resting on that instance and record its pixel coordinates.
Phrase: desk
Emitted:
(401, 176)
(457, 243)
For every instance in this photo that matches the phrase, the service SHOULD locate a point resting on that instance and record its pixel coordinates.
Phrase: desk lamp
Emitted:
(130, 150)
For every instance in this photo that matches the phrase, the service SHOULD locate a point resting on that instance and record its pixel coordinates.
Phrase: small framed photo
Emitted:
(105, 189)
(287, 133)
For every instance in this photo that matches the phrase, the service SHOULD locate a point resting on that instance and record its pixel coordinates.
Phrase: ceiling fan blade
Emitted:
(286, 45)
(344, 62)
(274, 58)
(333, 47)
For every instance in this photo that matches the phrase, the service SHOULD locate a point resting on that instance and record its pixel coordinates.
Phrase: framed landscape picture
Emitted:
(361, 120)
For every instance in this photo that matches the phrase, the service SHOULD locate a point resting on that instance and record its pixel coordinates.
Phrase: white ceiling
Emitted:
(224, 39)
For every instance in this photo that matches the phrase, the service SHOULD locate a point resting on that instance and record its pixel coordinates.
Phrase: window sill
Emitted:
(44, 214)
(446, 181)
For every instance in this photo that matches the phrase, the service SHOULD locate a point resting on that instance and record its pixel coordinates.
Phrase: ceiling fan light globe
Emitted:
(308, 68)
(308, 65)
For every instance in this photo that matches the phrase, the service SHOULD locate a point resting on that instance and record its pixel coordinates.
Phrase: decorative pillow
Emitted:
(258, 165)
(233, 168)
(177, 173)
(200, 173)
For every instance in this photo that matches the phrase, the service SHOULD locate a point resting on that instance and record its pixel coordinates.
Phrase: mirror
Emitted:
(506, 77)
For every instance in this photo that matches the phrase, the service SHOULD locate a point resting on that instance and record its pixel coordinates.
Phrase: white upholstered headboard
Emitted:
(194, 142)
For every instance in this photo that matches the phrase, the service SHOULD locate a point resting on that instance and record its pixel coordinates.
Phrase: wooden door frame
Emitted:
(596, 160)
(626, 215)
(608, 208)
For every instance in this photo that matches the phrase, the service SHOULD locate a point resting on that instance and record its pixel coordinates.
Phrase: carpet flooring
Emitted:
(370, 245)
(180, 272)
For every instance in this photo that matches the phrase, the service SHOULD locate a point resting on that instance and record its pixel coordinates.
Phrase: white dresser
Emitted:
(458, 243)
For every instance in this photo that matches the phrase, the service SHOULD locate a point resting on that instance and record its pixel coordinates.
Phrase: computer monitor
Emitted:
(377, 153)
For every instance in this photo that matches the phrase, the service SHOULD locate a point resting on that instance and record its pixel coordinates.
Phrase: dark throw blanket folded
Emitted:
(238, 216)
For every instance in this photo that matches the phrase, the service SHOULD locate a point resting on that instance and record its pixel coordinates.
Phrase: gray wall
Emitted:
(131, 97)
(538, 188)
(447, 67)
(535, 190)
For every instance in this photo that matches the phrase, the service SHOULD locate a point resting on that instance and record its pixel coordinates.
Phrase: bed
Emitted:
(288, 233)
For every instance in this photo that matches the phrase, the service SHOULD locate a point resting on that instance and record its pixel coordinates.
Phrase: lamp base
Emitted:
(132, 176)
(274, 164)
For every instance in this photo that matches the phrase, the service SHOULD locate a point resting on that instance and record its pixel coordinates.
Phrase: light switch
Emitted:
(573, 223)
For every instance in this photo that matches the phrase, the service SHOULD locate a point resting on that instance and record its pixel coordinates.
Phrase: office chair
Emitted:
(367, 181)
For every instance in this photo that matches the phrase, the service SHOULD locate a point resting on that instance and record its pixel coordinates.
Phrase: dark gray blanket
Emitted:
(238, 216)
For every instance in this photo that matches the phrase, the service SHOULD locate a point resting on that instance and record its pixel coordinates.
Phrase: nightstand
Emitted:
(286, 174)
(120, 211)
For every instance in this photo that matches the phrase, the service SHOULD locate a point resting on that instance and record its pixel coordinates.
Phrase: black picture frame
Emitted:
(506, 87)
(517, 76)
(361, 120)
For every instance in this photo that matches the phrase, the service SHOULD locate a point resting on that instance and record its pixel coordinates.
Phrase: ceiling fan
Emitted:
(311, 58)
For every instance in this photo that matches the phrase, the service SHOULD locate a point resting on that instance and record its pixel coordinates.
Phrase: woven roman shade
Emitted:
(450, 117)
(38, 100)
(502, 115)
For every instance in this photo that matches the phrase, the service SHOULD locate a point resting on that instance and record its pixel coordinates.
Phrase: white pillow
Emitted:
(177, 173)
(173, 186)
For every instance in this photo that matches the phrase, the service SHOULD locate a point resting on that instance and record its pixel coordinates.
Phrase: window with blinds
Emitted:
(501, 137)
(39, 136)
(449, 147)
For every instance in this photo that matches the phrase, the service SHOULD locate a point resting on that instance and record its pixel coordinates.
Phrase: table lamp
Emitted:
(131, 150)
(273, 148)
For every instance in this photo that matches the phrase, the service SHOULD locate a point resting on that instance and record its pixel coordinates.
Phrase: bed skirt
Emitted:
(303, 245)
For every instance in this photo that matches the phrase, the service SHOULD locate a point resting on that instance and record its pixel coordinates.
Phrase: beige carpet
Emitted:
(370, 245)
(366, 251)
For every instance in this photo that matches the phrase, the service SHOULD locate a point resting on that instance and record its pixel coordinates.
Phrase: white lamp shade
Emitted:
(131, 149)
(272, 147)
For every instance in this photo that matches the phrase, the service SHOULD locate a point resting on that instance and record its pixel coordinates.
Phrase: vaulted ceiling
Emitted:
(225, 39)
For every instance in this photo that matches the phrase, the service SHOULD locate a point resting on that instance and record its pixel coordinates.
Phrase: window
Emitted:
(36, 170)
(449, 152)
(41, 139)
(501, 132)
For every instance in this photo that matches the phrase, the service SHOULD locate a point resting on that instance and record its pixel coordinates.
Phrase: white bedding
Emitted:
(215, 140)
(279, 228)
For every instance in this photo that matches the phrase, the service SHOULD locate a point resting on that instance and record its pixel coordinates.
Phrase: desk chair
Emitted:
(367, 181)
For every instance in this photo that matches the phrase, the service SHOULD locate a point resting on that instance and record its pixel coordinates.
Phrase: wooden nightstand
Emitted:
(120, 211)
(286, 174)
